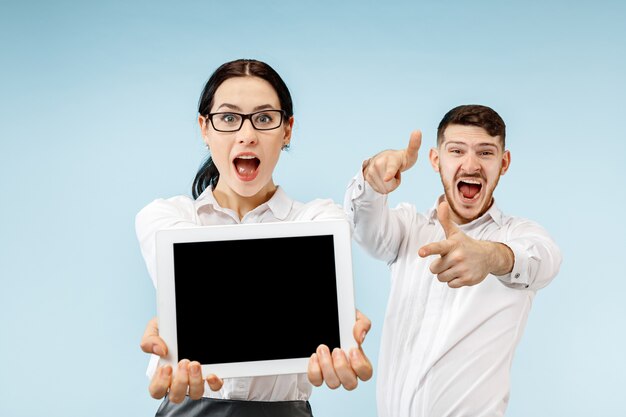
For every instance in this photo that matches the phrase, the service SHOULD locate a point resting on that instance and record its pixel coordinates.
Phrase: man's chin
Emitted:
(466, 213)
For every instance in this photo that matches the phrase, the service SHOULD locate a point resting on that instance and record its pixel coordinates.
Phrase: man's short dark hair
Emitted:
(473, 115)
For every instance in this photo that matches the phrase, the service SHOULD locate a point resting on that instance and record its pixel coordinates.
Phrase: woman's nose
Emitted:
(247, 133)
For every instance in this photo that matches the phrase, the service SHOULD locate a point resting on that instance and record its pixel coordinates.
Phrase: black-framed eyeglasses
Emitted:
(232, 122)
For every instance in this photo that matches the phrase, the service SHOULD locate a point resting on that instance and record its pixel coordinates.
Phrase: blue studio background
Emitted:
(98, 117)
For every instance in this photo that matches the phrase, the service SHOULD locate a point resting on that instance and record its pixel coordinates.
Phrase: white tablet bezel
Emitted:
(166, 301)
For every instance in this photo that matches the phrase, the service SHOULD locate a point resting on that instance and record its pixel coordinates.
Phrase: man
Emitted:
(463, 275)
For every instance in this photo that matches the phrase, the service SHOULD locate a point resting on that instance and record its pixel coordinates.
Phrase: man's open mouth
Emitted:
(469, 188)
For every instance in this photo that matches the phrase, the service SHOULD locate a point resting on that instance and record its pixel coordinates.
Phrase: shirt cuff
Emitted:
(358, 189)
(152, 366)
(519, 276)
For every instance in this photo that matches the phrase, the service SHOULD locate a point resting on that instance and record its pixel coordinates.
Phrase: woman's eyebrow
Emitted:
(230, 106)
(264, 107)
(257, 108)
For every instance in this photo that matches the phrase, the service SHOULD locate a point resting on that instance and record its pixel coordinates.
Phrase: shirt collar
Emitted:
(280, 204)
(493, 213)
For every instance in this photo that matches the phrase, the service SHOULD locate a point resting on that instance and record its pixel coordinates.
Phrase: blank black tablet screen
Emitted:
(255, 299)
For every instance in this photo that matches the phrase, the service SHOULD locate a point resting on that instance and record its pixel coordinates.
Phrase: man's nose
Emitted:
(471, 163)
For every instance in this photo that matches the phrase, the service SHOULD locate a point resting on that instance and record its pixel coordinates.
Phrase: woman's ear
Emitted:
(288, 131)
(203, 122)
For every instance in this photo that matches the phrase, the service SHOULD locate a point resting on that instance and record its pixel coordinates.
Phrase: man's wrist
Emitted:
(503, 260)
(365, 165)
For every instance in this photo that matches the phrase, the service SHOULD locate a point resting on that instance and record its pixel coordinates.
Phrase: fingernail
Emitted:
(195, 370)
(353, 353)
(167, 371)
(156, 349)
(314, 358)
(335, 353)
(363, 336)
(323, 352)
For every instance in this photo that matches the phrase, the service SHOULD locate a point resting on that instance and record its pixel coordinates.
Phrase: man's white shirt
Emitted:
(445, 351)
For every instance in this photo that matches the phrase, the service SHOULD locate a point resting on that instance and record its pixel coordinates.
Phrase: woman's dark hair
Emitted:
(473, 115)
(208, 175)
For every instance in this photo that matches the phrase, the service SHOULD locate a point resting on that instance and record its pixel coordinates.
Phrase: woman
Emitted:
(246, 120)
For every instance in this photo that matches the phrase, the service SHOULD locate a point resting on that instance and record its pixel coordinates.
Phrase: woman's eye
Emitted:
(229, 118)
(264, 118)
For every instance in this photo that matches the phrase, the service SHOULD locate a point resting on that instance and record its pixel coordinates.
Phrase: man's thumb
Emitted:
(443, 214)
(412, 151)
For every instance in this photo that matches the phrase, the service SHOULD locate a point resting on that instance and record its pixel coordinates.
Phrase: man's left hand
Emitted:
(465, 261)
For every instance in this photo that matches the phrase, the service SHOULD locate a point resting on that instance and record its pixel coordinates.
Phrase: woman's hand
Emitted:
(335, 368)
(188, 379)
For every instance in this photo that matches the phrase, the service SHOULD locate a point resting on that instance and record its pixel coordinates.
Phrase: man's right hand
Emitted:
(188, 378)
(382, 171)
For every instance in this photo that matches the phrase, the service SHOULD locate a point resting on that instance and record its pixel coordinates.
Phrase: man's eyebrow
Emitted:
(487, 144)
(455, 142)
(479, 145)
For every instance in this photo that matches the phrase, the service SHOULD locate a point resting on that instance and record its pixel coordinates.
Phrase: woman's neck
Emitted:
(241, 205)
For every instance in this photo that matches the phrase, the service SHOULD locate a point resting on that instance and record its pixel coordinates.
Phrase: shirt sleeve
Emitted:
(537, 257)
(161, 214)
(322, 209)
(378, 229)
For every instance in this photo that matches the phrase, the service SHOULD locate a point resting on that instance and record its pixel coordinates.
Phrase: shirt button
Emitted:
(351, 208)
(517, 275)
(359, 186)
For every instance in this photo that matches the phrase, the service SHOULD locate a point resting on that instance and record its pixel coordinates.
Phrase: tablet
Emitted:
(255, 299)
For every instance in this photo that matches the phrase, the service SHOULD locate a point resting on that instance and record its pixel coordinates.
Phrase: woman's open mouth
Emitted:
(246, 166)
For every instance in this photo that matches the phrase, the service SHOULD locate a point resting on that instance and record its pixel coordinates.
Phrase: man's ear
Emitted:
(506, 162)
(433, 156)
